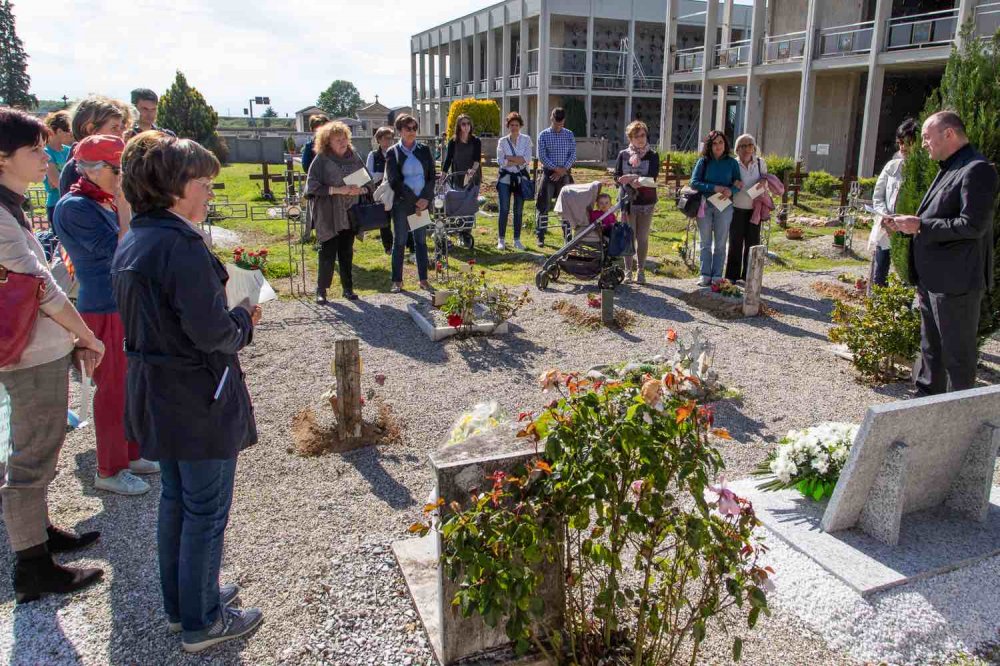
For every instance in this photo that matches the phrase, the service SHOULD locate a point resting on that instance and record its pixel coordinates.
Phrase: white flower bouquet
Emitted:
(809, 460)
(482, 418)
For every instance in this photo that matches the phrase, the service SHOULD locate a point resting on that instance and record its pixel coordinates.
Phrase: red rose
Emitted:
(472, 262)
(454, 320)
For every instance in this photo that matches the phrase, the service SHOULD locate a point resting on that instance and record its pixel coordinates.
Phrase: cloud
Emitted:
(230, 50)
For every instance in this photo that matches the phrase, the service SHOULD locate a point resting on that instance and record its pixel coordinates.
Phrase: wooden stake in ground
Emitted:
(608, 306)
(347, 370)
(755, 280)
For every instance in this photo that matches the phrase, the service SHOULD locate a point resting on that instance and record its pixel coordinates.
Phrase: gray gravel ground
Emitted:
(308, 538)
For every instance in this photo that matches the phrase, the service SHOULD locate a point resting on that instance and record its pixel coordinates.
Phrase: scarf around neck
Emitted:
(634, 156)
(85, 187)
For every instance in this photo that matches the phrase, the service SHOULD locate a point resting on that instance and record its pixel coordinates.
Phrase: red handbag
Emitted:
(20, 296)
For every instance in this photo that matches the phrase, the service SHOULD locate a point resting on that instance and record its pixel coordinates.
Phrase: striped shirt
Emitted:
(556, 149)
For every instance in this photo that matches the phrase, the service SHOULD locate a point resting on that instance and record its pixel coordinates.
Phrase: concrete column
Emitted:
(430, 72)
(630, 68)
(873, 93)
(491, 53)
(544, 34)
(589, 83)
(966, 12)
(807, 90)
(477, 61)
(667, 98)
(413, 81)
(423, 75)
(711, 26)
(752, 113)
(504, 69)
(522, 103)
(454, 70)
(720, 91)
(442, 113)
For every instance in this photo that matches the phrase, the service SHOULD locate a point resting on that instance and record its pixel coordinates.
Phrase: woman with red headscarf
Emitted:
(89, 228)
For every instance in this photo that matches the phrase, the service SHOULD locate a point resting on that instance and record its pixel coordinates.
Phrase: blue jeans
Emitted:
(504, 194)
(880, 276)
(400, 232)
(194, 508)
(714, 231)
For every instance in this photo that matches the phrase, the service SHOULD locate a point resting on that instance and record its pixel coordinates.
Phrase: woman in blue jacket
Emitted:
(410, 168)
(716, 172)
(187, 403)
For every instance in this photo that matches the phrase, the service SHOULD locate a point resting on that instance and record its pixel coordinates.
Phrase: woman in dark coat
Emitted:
(187, 403)
(329, 200)
(463, 154)
(409, 166)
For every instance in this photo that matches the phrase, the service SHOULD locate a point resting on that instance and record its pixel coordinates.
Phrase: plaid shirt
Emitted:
(556, 149)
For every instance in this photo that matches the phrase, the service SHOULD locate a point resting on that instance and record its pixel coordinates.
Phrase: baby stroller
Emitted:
(586, 255)
(454, 214)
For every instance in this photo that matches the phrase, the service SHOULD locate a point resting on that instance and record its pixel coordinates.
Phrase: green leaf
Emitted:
(753, 617)
(737, 648)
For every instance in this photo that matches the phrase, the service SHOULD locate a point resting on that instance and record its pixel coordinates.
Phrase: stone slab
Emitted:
(931, 542)
(436, 333)
(938, 431)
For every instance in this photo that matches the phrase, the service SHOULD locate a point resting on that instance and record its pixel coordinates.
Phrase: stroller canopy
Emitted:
(574, 200)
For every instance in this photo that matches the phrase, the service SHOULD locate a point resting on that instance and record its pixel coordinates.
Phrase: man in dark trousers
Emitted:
(951, 255)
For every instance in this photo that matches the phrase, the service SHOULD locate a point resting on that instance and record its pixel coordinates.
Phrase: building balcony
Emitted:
(470, 88)
(498, 84)
(845, 40)
(514, 83)
(568, 68)
(484, 86)
(921, 30)
(987, 19)
(610, 70)
(689, 60)
(737, 54)
(647, 84)
(783, 48)
(532, 81)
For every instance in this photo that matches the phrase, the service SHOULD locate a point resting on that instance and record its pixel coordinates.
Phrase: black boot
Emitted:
(320, 296)
(61, 541)
(40, 574)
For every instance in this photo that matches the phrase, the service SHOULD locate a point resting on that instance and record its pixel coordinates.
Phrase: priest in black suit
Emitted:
(951, 255)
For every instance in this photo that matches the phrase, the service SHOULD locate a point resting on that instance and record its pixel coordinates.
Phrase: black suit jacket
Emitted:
(953, 253)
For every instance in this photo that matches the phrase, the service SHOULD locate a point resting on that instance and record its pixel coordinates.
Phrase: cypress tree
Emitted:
(184, 110)
(15, 83)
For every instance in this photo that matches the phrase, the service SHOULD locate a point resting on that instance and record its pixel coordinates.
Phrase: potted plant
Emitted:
(793, 233)
(839, 237)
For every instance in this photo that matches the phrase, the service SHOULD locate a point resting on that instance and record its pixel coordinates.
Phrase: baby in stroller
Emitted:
(590, 216)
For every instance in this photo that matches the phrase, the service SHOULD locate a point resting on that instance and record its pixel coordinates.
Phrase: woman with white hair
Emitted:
(89, 228)
(744, 234)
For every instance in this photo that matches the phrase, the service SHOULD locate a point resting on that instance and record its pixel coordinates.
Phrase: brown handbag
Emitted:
(20, 296)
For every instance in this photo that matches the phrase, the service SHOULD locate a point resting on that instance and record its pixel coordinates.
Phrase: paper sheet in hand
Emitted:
(646, 181)
(359, 178)
(719, 202)
(244, 284)
(757, 189)
(419, 220)
(872, 211)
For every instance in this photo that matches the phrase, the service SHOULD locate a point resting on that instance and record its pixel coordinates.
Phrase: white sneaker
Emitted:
(123, 483)
(628, 277)
(640, 277)
(501, 244)
(704, 281)
(143, 466)
(518, 245)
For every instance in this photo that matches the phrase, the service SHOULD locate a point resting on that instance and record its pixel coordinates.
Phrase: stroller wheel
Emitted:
(554, 273)
(618, 274)
(541, 280)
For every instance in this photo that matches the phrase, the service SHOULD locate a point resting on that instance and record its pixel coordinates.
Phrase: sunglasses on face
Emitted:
(410, 128)
(117, 170)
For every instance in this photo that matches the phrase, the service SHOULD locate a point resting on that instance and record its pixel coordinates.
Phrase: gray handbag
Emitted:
(461, 202)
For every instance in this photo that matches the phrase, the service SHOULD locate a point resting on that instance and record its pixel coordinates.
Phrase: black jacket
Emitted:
(953, 253)
(477, 157)
(394, 159)
(185, 398)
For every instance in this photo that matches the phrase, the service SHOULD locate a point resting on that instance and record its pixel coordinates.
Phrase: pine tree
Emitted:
(970, 87)
(184, 110)
(15, 83)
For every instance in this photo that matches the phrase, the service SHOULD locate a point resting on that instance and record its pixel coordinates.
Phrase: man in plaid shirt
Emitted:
(556, 152)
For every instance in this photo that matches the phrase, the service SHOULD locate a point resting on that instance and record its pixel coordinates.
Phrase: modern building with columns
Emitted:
(826, 81)
(603, 60)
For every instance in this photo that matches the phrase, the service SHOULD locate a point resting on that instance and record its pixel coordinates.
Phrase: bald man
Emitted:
(951, 255)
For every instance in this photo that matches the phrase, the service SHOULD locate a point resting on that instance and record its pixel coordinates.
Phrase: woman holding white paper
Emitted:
(410, 169)
(717, 176)
(743, 234)
(637, 161)
(330, 197)
(187, 404)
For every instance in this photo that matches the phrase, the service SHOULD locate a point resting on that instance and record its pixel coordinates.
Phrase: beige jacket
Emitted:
(20, 252)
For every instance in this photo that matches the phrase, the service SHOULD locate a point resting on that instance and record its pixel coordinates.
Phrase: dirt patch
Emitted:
(837, 292)
(591, 317)
(714, 304)
(312, 438)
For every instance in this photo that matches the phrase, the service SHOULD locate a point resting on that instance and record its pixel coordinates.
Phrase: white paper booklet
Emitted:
(758, 189)
(244, 284)
(646, 181)
(419, 219)
(359, 178)
(719, 202)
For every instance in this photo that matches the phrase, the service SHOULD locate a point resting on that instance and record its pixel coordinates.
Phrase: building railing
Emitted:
(648, 84)
(987, 19)
(845, 40)
(470, 88)
(782, 48)
(921, 30)
(737, 54)
(515, 82)
(568, 68)
(498, 84)
(689, 60)
(532, 81)
(484, 86)
(687, 88)
(609, 70)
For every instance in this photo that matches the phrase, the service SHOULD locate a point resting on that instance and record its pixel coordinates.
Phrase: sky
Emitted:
(231, 50)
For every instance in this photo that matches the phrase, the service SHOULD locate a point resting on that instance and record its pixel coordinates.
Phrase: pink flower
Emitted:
(549, 380)
(728, 502)
(637, 487)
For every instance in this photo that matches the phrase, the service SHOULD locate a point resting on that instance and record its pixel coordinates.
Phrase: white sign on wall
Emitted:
(822, 149)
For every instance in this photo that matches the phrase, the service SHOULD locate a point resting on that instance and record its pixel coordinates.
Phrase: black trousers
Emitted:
(948, 353)
(742, 236)
(546, 192)
(385, 233)
(339, 249)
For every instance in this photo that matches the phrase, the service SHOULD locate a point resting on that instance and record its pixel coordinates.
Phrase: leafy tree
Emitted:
(968, 87)
(340, 100)
(14, 80)
(184, 110)
(485, 116)
(576, 115)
